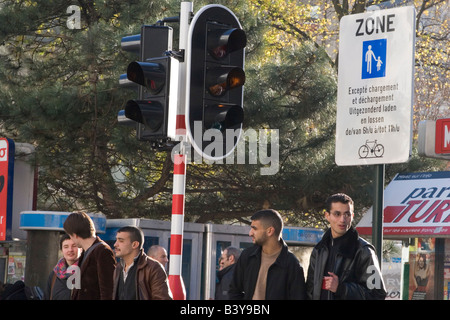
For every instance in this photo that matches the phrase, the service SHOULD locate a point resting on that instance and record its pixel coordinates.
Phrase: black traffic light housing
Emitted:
(156, 77)
(215, 79)
(151, 112)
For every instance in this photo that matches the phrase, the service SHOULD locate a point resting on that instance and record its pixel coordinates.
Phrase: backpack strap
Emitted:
(51, 286)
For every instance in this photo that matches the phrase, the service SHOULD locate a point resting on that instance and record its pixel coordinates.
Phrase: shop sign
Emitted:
(442, 136)
(415, 204)
(7, 152)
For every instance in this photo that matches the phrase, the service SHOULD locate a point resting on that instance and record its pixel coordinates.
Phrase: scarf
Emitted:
(61, 269)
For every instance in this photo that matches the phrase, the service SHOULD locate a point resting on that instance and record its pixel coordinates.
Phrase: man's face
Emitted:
(258, 232)
(76, 240)
(70, 251)
(340, 218)
(226, 261)
(123, 245)
(161, 256)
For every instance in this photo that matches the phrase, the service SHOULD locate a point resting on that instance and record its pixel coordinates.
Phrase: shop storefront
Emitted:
(17, 185)
(417, 217)
(12, 261)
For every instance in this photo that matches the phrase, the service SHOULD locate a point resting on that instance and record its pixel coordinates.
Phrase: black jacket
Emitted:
(225, 277)
(356, 265)
(285, 278)
(60, 290)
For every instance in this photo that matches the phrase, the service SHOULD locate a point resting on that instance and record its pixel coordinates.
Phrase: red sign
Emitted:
(415, 205)
(5, 176)
(442, 145)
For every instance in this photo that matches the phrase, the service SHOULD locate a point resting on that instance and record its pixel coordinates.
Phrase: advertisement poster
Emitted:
(6, 187)
(422, 266)
(16, 268)
(447, 270)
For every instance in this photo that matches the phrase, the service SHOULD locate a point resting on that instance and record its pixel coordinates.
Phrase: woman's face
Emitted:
(421, 262)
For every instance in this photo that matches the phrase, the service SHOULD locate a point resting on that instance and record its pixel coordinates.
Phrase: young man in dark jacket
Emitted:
(137, 276)
(97, 261)
(267, 270)
(343, 265)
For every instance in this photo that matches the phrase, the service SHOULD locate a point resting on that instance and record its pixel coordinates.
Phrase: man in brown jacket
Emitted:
(97, 261)
(137, 276)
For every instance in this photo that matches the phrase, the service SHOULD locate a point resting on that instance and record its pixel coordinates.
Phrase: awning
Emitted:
(415, 205)
(54, 220)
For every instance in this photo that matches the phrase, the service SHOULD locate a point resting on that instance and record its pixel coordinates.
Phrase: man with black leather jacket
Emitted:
(343, 265)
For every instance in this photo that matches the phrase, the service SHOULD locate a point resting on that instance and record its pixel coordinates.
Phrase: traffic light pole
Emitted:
(201, 84)
(179, 170)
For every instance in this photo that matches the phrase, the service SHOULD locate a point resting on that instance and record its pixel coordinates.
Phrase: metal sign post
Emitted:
(377, 213)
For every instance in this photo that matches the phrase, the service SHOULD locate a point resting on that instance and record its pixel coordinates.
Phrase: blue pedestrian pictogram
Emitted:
(374, 59)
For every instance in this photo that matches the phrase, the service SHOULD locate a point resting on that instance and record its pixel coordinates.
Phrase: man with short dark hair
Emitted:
(267, 270)
(97, 261)
(137, 276)
(58, 286)
(343, 265)
(228, 261)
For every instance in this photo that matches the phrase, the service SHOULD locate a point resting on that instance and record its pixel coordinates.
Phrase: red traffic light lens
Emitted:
(222, 41)
(148, 74)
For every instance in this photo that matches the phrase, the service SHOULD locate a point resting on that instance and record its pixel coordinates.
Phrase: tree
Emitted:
(58, 90)
(318, 21)
(295, 23)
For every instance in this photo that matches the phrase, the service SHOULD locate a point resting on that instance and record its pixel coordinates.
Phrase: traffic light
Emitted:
(156, 77)
(155, 112)
(215, 78)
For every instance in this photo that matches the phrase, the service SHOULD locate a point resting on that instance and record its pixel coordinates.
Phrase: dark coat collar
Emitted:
(349, 242)
(225, 270)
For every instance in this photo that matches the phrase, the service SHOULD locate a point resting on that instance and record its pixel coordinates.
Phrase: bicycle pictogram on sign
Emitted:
(371, 149)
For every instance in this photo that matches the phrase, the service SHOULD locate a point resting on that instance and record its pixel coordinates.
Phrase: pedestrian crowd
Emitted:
(342, 265)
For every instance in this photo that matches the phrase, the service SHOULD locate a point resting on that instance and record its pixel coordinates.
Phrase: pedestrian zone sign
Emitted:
(373, 65)
(375, 87)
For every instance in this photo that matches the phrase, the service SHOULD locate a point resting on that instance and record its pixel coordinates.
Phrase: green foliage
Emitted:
(58, 90)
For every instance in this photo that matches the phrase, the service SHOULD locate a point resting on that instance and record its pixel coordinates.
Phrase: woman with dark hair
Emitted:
(421, 277)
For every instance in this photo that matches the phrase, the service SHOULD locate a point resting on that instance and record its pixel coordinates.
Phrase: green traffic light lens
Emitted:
(223, 116)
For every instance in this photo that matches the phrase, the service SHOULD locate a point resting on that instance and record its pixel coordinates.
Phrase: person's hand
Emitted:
(331, 282)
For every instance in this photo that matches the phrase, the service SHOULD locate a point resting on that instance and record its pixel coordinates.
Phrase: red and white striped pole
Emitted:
(176, 283)
(176, 238)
